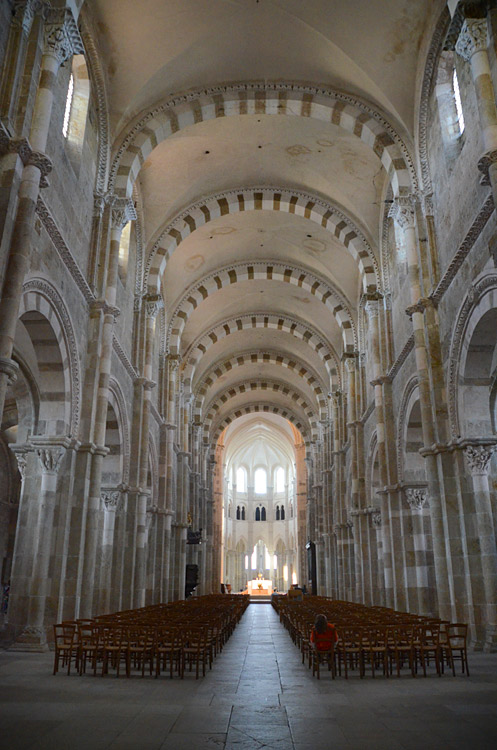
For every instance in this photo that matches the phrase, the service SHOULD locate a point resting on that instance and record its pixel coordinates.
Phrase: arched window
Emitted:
(257, 514)
(76, 109)
(260, 482)
(241, 479)
(243, 513)
(280, 479)
(124, 252)
(458, 103)
(263, 514)
(277, 512)
(237, 512)
(282, 512)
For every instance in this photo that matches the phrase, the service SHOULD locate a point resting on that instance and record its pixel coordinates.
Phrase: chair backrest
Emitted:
(64, 634)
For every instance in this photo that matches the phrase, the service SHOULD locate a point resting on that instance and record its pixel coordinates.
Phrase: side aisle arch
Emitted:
(284, 98)
(258, 357)
(301, 204)
(262, 320)
(41, 297)
(225, 277)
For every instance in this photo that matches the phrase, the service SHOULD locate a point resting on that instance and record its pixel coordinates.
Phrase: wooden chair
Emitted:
(375, 649)
(427, 644)
(349, 649)
(112, 638)
(401, 646)
(456, 648)
(140, 648)
(88, 646)
(196, 649)
(66, 646)
(318, 657)
(169, 648)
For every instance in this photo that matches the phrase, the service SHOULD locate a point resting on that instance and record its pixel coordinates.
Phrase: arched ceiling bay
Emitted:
(295, 152)
(257, 235)
(257, 296)
(154, 48)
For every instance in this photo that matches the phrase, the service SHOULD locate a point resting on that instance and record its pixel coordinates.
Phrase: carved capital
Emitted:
(111, 499)
(50, 458)
(123, 210)
(62, 39)
(478, 458)
(376, 519)
(24, 12)
(402, 211)
(427, 204)
(98, 204)
(472, 38)
(153, 305)
(21, 454)
(417, 497)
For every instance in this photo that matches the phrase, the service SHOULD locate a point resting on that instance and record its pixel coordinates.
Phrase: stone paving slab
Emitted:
(251, 700)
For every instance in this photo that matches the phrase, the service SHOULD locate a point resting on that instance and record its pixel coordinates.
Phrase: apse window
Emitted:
(241, 479)
(260, 482)
(280, 479)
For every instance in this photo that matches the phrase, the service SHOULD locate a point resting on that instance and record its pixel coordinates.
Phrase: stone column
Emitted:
(403, 213)
(376, 523)
(472, 47)
(62, 40)
(478, 459)
(111, 501)
(418, 572)
(50, 452)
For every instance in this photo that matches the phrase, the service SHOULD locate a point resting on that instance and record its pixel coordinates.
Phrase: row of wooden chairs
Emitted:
(161, 638)
(375, 639)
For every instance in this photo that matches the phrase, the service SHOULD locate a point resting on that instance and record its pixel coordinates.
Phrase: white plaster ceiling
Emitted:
(156, 47)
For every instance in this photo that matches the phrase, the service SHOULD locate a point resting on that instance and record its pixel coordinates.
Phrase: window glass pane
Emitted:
(241, 479)
(260, 483)
(457, 98)
(280, 479)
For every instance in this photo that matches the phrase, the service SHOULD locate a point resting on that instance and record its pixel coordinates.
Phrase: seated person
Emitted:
(323, 634)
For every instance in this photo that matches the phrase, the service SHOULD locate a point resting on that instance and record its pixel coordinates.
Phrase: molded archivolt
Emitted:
(263, 199)
(262, 320)
(41, 297)
(253, 358)
(287, 99)
(481, 299)
(267, 386)
(118, 403)
(262, 270)
(258, 408)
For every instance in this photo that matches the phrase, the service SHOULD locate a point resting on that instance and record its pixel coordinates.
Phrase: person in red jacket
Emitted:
(323, 634)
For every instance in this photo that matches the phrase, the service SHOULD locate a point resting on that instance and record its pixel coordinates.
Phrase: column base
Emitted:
(31, 639)
(490, 645)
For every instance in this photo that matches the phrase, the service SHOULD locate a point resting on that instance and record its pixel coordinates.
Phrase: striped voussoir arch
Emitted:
(285, 99)
(302, 204)
(262, 270)
(263, 358)
(47, 321)
(259, 408)
(269, 387)
(273, 321)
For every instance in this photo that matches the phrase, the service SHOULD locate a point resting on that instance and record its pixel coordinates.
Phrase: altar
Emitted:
(260, 587)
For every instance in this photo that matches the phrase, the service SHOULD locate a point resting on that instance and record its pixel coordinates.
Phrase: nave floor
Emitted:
(258, 695)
